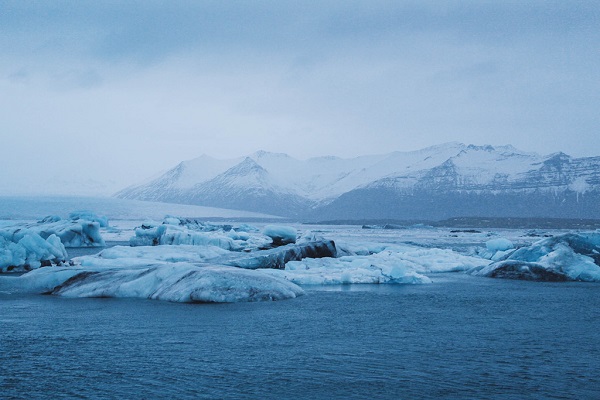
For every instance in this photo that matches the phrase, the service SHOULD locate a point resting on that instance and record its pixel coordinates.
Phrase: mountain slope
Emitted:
(246, 186)
(438, 182)
(480, 181)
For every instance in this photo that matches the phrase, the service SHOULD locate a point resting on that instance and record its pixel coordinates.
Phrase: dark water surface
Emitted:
(460, 337)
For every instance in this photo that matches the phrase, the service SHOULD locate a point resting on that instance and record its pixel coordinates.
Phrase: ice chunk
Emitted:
(499, 244)
(166, 234)
(178, 282)
(87, 215)
(171, 221)
(404, 264)
(246, 228)
(198, 225)
(278, 257)
(496, 249)
(79, 233)
(281, 235)
(30, 252)
(49, 218)
(565, 257)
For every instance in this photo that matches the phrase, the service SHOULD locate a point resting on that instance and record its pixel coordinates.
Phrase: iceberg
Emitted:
(499, 244)
(397, 264)
(176, 282)
(567, 257)
(30, 251)
(278, 257)
(167, 234)
(86, 215)
(281, 235)
(72, 233)
(496, 249)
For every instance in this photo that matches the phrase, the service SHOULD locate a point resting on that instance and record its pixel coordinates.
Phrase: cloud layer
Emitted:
(104, 94)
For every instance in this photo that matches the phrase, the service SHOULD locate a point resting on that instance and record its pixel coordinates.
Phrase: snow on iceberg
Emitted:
(30, 251)
(130, 257)
(398, 264)
(568, 257)
(87, 215)
(78, 233)
(281, 235)
(177, 282)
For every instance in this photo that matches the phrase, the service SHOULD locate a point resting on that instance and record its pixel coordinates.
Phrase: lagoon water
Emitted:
(460, 337)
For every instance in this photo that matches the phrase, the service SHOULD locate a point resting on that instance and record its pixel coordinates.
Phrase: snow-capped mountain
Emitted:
(437, 182)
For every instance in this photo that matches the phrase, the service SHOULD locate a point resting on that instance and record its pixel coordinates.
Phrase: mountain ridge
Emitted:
(437, 182)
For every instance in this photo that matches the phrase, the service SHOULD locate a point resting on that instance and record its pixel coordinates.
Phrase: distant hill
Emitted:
(439, 182)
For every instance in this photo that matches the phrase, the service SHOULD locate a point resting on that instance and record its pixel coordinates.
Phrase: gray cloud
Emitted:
(124, 89)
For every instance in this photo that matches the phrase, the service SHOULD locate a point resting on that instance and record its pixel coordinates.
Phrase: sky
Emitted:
(98, 95)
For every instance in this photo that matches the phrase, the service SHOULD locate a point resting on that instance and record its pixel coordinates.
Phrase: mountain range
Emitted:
(438, 182)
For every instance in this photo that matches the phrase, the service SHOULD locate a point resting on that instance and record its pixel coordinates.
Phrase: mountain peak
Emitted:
(246, 167)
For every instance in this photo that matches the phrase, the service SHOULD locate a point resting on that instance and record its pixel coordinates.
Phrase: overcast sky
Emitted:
(108, 93)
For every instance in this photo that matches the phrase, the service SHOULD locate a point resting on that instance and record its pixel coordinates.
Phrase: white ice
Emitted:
(177, 282)
(280, 234)
(130, 257)
(29, 251)
(398, 264)
(574, 256)
(77, 233)
(168, 234)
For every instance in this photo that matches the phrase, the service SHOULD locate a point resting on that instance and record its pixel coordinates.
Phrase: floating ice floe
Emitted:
(30, 251)
(568, 257)
(168, 234)
(177, 282)
(281, 235)
(72, 233)
(181, 231)
(398, 264)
